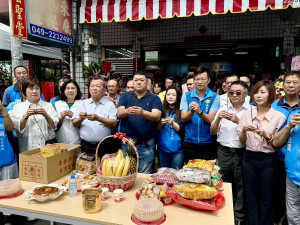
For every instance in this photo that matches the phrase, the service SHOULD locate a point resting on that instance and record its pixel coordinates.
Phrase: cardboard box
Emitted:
(47, 170)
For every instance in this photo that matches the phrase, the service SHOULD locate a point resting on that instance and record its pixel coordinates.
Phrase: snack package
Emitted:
(195, 191)
(205, 165)
(86, 163)
(165, 176)
(50, 150)
(215, 179)
(194, 175)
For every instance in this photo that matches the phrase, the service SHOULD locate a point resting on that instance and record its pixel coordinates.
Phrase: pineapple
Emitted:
(130, 152)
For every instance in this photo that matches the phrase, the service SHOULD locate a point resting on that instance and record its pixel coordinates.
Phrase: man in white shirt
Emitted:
(230, 150)
(229, 80)
(95, 117)
(112, 88)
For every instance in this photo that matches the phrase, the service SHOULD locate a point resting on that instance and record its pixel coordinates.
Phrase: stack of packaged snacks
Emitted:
(199, 181)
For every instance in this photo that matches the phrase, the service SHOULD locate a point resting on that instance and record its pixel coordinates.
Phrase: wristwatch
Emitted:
(200, 114)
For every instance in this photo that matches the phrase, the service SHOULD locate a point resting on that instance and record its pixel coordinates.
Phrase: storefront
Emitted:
(248, 37)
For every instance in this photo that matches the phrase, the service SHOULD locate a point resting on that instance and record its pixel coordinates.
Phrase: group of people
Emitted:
(243, 129)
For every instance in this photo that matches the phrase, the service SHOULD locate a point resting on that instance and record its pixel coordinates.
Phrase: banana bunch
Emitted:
(118, 167)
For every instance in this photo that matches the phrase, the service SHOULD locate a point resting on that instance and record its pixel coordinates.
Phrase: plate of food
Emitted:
(154, 191)
(83, 182)
(44, 193)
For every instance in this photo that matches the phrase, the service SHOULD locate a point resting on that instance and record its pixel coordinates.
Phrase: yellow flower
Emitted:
(279, 85)
(282, 93)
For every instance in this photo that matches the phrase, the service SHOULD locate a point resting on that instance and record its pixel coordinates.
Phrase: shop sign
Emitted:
(19, 18)
(51, 20)
(203, 38)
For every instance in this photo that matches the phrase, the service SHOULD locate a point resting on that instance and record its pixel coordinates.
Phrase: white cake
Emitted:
(10, 187)
(148, 210)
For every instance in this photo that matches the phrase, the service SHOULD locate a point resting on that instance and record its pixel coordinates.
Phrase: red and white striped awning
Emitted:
(93, 11)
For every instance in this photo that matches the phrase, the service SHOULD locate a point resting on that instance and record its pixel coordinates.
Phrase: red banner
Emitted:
(48, 90)
(19, 18)
(106, 66)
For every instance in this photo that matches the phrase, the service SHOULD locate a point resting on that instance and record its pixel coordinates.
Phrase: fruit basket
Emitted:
(108, 179)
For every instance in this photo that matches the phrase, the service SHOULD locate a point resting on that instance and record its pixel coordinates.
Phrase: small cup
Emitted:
(104, 194)
(118, 195)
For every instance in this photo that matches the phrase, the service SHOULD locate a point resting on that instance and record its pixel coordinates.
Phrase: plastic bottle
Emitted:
(73, 187)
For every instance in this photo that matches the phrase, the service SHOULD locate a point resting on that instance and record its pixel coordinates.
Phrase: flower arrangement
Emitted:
(94, 70)
(279, 86)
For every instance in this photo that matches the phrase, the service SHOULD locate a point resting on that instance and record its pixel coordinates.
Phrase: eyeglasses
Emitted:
(238, 93)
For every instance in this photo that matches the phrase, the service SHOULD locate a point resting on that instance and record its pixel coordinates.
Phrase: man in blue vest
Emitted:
(290, 137)
(12, 93)
(198, 110)
(288, 105)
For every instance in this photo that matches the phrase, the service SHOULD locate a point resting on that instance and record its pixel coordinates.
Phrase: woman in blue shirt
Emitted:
(170, 129)
(8, 159)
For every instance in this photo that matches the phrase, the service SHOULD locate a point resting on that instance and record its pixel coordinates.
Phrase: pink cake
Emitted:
(148, 210)
(10, 187)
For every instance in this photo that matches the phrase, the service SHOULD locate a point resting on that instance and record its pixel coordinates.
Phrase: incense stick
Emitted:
(251, 114)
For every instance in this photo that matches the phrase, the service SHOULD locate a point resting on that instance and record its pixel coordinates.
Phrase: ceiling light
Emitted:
(241, 53)
(191, 54)
(216, 54)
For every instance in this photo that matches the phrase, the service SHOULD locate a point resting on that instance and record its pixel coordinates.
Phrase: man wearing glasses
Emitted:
(12, 93)
(230, 151)
(198, 110)
(229, 80)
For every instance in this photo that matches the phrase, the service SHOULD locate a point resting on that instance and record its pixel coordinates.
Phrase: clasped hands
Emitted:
(135, 110)
(229, 116)
(261, 132)
(85, 115)
(31, 112)
(68, 113)
(167, 120)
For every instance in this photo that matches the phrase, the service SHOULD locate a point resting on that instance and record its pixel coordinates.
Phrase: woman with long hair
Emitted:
(256, 129)
(170, 128)
(66, 107)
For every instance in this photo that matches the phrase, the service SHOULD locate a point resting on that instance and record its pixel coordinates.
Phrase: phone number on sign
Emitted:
(50, 34)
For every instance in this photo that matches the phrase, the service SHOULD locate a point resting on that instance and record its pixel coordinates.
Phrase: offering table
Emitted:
(69, 210)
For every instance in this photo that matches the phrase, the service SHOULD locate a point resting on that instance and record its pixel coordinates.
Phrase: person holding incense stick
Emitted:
(256, 129)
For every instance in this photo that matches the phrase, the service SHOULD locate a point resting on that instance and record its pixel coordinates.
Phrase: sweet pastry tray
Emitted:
(83, 182)
(29, 194)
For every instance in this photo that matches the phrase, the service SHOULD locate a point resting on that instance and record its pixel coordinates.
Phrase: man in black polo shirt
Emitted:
(139, 110)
